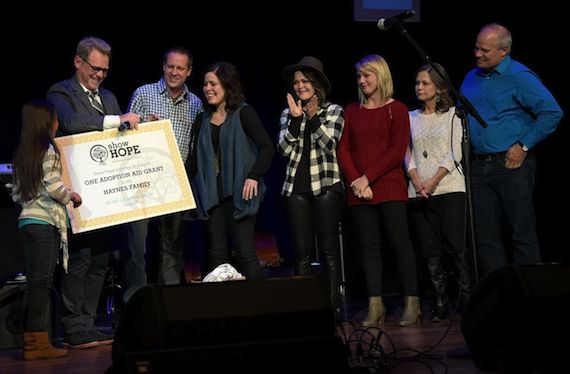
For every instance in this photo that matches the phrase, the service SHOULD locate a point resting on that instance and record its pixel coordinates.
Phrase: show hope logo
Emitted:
(99, 153)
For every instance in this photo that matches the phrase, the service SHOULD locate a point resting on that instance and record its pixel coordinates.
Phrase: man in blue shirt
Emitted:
(520, 112)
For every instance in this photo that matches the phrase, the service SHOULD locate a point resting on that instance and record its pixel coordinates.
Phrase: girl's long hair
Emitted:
(38, 117)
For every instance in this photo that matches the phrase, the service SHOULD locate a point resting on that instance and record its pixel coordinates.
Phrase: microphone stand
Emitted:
(465, 108)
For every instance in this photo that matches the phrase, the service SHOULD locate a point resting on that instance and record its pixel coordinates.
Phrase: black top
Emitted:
(253, 128)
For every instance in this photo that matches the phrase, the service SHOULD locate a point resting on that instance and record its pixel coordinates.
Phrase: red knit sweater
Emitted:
(374, 143)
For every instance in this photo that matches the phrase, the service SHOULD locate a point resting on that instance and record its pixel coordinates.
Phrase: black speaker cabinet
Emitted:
(11, 255)
(269, 325)
(518, 319)
(11, 315)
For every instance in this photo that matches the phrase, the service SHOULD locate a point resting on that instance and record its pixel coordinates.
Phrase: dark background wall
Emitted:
(263, 40)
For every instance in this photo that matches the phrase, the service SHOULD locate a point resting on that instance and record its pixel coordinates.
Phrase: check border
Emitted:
(82, 224)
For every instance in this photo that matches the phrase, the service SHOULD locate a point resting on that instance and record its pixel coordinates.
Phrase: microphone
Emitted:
(124, 126)
(388, 23)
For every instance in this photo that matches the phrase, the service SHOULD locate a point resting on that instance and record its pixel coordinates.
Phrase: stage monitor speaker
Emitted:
(517, 318)
(11, 255)
(269, 325)
(11, 315)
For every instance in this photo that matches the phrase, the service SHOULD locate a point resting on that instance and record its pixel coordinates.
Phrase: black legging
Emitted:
(392, 217)
(316, 215)
(222, 226)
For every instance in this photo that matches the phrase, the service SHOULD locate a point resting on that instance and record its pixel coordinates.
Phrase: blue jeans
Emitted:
(41, 246)
(81, 286)
(171, 248)
(134, 262)
(500, 193)
(171, 253)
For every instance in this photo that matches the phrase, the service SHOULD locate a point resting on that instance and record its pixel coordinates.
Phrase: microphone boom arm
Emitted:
(465, 103)
(466, 107)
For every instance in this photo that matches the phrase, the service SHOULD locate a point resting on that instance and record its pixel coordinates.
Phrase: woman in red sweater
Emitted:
(371, 154)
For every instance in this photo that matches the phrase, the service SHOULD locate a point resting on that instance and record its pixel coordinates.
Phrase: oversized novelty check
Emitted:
(124, 176)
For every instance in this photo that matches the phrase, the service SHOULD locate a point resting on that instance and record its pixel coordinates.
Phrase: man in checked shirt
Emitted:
(169, 98)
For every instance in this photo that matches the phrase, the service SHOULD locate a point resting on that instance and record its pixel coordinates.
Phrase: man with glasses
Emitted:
(83, 106)
(169, 98)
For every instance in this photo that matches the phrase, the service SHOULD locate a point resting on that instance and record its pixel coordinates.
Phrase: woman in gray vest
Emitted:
(230, 153)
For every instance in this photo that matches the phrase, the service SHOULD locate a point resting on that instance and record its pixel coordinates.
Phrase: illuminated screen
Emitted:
(373, 10)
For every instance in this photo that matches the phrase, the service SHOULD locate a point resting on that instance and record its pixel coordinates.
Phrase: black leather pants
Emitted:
(317, 216)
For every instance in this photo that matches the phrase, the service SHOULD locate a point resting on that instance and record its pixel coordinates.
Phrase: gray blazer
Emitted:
(74, 110)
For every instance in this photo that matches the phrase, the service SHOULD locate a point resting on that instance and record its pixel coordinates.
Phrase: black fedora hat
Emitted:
(308, 63)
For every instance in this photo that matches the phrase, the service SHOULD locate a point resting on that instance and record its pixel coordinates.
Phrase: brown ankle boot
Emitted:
(412, 311)
(376, 312)
(37, 347)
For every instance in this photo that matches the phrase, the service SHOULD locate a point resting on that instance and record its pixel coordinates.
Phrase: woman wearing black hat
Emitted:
(310, 130)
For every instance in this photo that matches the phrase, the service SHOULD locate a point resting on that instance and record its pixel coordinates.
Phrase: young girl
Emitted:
(42, 222)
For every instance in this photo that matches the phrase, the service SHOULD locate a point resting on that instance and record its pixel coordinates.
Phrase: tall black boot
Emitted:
(464, 279)
(303, 265)
(333, 274)
(439, 283)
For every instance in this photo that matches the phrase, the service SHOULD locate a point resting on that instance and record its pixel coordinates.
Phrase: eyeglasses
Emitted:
(96, 69)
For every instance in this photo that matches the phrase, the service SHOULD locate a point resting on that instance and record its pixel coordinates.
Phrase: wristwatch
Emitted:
(524, 147)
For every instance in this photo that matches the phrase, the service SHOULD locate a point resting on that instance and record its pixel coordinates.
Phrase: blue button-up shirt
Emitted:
(514, 103)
